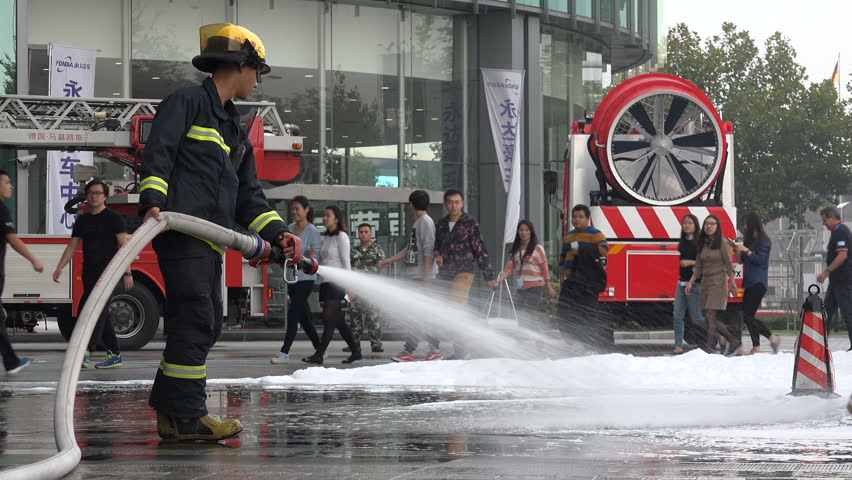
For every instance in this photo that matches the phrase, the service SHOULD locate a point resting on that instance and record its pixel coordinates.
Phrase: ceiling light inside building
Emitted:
(359, 142)
(155, 78)
(385, 88)
(118, 63)
(418, 110)
(353, 99)
(308, 120)
(434, 118)
(288, 111)
(309, 75)
(115, 94)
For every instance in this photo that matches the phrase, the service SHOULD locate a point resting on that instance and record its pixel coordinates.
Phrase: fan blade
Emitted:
(689, 182)
(619, 147)
(706, 139)
(676, 110)
(641, 116)
(641, 179)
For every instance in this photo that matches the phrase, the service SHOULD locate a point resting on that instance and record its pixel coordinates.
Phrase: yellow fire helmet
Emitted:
(229, 43)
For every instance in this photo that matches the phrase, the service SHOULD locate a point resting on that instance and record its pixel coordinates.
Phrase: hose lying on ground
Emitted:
(66, 460)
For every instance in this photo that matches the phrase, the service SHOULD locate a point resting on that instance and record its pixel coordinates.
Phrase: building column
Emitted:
(508, 42)
(22, 180)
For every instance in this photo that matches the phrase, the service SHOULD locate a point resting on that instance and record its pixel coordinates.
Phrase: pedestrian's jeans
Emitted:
(684, 303)
(839, 296)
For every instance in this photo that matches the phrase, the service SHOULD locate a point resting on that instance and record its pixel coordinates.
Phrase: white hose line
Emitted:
(69, 453)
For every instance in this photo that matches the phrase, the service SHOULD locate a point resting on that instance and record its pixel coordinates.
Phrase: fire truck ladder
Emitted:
(65, 123)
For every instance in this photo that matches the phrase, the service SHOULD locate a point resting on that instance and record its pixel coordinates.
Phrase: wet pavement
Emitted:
(378, 432)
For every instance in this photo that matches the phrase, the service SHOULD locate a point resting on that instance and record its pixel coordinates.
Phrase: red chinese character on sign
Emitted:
(79, 137)
(41, 136)
(62, 137)
(53, 136)
(31, 136)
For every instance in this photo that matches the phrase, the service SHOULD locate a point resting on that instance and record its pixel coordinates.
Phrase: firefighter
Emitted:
(198, 161)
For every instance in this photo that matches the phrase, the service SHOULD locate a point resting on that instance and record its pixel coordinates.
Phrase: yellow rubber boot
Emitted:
(165, 428)
(206, 428)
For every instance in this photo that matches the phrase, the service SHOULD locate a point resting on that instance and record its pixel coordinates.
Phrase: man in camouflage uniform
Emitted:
(365, 258)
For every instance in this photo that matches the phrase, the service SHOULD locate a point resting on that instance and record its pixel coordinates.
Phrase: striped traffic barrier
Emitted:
(813, 373)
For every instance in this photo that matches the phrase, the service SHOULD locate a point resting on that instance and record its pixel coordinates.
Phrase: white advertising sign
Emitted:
(504, 94)
(72, 74)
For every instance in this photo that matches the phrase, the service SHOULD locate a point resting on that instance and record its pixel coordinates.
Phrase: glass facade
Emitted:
(8, 84)
(386, 94)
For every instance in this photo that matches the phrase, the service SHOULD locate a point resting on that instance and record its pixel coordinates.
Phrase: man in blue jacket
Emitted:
(199, 161)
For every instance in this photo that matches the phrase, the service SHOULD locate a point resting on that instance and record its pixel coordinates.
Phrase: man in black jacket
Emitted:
(199, 161)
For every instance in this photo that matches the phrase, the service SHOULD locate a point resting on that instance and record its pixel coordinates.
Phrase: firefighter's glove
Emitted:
(287, 244)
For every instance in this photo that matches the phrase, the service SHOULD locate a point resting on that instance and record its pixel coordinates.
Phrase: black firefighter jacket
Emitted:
(187, 168)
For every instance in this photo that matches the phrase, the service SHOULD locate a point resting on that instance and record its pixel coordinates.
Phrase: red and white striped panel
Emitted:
(656, 222)
(812, 369)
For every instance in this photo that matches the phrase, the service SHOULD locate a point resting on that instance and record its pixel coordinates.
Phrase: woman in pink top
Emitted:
(528, 262)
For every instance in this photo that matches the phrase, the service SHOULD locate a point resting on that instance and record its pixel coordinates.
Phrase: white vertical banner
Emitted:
(504, 94)
(72, 74)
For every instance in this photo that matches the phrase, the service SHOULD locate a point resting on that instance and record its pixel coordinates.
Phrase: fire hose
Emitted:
(253, 248)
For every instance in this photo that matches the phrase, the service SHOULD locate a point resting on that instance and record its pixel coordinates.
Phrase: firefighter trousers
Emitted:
(192, 323)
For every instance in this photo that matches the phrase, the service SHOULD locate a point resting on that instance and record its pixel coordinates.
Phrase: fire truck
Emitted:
(655, 150)
(117, 129)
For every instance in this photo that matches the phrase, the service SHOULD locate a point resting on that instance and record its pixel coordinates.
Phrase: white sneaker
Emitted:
(279, 357)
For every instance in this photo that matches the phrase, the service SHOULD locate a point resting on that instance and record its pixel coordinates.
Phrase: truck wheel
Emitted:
(135, 316)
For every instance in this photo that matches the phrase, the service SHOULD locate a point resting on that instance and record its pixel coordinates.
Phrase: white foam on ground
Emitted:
(603, 391)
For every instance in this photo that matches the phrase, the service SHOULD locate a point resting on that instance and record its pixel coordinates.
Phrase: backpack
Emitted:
(590, 270)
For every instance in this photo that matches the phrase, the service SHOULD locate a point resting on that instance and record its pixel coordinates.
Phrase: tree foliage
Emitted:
(792, 141)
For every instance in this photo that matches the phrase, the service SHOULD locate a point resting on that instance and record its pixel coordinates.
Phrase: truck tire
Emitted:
(65, 321)
(135, 316)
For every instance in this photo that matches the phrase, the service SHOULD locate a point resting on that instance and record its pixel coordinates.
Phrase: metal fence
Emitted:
(795, 262)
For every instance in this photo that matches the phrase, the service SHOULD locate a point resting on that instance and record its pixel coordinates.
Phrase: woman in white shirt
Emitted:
(335, 253)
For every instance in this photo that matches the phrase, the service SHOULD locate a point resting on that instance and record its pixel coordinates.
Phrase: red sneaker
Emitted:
(434, 355)
(403, 357)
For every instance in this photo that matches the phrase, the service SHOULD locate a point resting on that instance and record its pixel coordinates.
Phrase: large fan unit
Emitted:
(659, 140)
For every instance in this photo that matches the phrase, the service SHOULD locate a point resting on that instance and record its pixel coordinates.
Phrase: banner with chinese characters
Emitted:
(504, 94)
(72, 74)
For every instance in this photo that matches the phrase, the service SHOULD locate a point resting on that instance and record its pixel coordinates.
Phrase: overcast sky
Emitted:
(817, 29)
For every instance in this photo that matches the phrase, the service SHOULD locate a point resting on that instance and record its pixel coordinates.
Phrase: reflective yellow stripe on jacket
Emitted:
(155, 183)
(219, 249)
(183, 371)
(208, 135)
(263, 220)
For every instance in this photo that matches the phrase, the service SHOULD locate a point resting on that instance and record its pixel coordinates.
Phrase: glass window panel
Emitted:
(8, 51)
(558, 5)
(433, 127)
(584, 7)
(164, 40)
(64, 23)
(8, 85)
(622, 13)
(607, 10)
(637, 14)
(363, 89)
(293, 83)
(532, 3)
